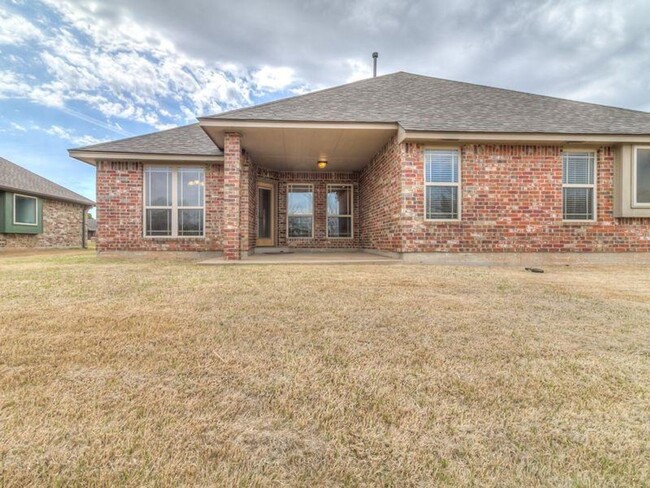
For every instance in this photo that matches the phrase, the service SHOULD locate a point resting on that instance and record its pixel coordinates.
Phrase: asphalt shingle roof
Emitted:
(424, 103)
(18, 179)
(188, 140)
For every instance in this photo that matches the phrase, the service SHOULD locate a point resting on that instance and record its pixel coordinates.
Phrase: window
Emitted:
(25, 210)
(339, 211)
(300, 211)
(442, 187)
(578, 185)
(641, 177)
(191, 186)
(174, 201)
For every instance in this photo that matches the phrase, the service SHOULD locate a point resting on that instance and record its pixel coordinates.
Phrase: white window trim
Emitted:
(25, 223)
(313, 204)
(457, 184)
(174, 206)
(594, 202)
(635, 203)
(350, 215)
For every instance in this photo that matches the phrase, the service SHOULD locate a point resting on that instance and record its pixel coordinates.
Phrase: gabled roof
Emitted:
(423, 103)
(188, 140)
(17, 179)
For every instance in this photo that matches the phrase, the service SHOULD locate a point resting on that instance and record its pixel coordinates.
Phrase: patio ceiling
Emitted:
(298, 146)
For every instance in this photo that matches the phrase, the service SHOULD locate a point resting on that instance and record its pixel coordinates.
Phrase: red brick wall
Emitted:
(62, 223)
(232, 194)
(380, 201)
(512, 201)
(120, 211)
(319, 180)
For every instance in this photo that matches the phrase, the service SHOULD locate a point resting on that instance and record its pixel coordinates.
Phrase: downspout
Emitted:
(84, 233)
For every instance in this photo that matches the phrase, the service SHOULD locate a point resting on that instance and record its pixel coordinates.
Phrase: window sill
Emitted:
(579, 222)
(443, 221)
(173, 237)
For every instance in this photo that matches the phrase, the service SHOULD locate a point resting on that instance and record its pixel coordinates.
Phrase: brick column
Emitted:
(246, 194)
(232, 188)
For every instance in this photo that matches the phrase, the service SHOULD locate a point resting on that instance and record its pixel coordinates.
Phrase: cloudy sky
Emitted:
(77, 72)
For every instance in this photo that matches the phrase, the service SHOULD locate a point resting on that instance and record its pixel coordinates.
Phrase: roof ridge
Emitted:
(520, 92)
(322, 90)
(43, 178)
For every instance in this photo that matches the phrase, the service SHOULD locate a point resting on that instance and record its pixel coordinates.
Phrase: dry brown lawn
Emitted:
(135, 372)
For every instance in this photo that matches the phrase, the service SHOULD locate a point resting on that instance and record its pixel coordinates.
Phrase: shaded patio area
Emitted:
(305, 257)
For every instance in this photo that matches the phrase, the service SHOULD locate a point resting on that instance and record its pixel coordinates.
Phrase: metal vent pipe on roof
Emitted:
(375, 55)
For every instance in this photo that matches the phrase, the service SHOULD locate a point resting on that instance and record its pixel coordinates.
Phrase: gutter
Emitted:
(405, 135)
(91, 157)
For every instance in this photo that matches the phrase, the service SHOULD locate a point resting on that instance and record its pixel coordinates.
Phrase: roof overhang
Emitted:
(517, 138)
(10, 189)
(91, 157)
(297, 145)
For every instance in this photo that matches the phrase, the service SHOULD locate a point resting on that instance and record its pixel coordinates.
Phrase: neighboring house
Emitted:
(91, 228)
(400, 163)
(38, 213)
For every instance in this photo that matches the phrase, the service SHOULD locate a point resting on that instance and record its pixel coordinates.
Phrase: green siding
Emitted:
(7, 217)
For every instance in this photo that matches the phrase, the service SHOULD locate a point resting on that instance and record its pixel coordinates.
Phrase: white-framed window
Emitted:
(339, 211)
(300, 211)
(641, 176)
(174, 201)
(578, 186)
(25, 210)
(442, 184)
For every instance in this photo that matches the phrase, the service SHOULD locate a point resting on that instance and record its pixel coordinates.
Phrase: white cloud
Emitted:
(127, 70)
(12, 85)
(69, 135)
(273, 79)
(18, 127)
(16, 30)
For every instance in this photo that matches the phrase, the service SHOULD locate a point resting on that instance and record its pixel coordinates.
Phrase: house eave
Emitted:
(418, 136)
(88, 203)
(91, 157)
(293, 124)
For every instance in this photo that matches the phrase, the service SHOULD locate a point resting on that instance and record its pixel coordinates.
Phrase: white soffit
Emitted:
(298, 148)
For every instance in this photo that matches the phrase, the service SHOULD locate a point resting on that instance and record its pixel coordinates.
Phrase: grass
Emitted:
(136, 372)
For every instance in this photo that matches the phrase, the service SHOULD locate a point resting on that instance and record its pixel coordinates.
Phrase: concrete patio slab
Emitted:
(359, 257)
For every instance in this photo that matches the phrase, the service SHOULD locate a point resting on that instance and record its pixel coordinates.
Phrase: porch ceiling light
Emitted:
(322, 164)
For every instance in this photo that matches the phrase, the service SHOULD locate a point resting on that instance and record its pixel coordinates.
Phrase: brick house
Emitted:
(401, 164)
(38, 213)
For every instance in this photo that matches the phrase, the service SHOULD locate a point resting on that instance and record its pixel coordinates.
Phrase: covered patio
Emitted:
(296, 185)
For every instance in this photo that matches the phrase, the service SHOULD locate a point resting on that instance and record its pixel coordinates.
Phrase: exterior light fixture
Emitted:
(322, 164)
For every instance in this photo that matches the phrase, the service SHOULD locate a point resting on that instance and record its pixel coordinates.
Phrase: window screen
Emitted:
(442, 168)
(578, 176)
